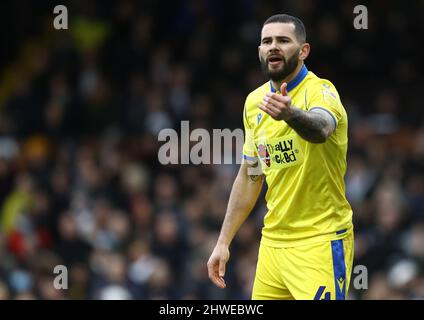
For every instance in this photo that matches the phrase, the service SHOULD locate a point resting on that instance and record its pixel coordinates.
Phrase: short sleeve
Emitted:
(326, 97)
(249, 149)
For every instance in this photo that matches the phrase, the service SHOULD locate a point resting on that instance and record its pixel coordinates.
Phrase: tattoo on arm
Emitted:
(256, 178)
(314, 126)
(254, 171)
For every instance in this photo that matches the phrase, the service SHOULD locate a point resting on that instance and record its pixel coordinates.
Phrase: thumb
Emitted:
(283, 89)
(221, 268)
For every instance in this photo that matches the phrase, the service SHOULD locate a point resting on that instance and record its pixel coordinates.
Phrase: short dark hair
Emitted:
(299, 27)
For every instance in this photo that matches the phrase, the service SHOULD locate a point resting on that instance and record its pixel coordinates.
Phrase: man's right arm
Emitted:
(244, 194)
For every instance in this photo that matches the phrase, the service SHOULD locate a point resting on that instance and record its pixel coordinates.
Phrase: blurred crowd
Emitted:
(80, 111)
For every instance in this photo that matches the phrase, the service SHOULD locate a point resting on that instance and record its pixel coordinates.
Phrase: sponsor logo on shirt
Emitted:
(280, 152)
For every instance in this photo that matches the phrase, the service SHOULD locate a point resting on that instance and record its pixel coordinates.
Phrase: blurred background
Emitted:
(80, 112)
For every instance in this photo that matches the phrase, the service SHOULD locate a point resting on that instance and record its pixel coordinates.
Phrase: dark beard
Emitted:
(288, 67)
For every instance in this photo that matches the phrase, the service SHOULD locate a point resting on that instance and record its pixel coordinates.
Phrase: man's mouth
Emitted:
(275, 60)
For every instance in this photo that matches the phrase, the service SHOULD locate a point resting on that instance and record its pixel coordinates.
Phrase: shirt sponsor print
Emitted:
(280, 152)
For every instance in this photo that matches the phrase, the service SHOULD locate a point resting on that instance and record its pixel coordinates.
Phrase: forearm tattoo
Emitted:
(256, 178)
(311, 126)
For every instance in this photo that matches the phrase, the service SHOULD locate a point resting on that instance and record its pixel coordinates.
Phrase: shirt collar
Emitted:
(298, 79)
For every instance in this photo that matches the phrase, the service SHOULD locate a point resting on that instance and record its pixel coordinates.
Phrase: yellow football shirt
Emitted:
(306, 192)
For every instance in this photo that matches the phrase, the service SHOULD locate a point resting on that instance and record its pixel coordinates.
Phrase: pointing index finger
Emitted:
(283, 89)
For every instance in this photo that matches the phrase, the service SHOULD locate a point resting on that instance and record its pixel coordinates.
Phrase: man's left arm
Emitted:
(315, 125)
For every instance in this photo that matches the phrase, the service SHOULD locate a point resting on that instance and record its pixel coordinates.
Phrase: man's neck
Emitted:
(290, 77)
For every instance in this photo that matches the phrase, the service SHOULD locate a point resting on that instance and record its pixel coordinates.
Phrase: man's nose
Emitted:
(273, 46)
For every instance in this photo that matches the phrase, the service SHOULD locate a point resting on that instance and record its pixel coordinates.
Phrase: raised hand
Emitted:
(278, 106)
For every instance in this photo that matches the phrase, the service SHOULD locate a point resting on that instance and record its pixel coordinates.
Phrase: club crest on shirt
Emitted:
(263, 154)
(259, 117)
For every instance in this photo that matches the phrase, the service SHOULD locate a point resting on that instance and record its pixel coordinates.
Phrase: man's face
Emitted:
(279, 50)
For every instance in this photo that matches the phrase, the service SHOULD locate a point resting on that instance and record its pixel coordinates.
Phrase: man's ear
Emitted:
(304, 51)
(259, 53)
